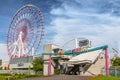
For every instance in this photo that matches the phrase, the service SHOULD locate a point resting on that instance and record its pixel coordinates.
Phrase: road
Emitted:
(60, 77)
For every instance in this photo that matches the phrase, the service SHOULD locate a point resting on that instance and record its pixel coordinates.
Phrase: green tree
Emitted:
(116, 62)
(38, 65)
(0, 68)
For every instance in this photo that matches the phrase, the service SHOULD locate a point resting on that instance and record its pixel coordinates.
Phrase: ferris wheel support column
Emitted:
(21, 46)
(32, 51)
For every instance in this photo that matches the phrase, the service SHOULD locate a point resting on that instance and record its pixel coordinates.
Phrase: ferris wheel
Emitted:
(25, 32)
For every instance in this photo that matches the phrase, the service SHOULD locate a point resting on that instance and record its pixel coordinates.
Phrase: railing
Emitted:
(112, 72)
(16, 72)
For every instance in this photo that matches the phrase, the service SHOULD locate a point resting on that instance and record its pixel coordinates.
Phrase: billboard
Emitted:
(84, 43)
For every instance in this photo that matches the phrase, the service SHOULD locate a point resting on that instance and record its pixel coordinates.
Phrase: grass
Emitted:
(22, 76)
(101, 77)
(17, 76)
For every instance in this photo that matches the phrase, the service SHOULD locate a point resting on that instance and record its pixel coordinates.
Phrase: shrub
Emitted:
(37, 64)
(6, 74)
(57, 71)
(3, 78)
(17, 76)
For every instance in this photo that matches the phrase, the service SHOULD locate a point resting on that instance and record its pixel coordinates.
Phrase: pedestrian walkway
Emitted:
(60, 77)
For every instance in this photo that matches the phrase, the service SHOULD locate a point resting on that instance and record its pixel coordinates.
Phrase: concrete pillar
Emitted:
(48, 67)
(45, 68)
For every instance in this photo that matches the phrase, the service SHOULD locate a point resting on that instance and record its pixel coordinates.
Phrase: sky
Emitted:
(96, 20)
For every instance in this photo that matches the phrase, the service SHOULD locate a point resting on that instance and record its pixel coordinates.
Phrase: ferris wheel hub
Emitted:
(21, 34)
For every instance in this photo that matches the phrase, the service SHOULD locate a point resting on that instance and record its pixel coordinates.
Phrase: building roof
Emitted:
(88, 57)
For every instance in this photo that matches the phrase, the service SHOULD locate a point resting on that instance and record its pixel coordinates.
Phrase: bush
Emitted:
(57, 71)
(17, 76)
(3, 78)
(21, 76)
(37, 64)
(0, 68)
(6, 74)
(37, 75)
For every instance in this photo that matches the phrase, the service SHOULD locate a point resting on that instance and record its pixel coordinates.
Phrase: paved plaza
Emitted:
(60, 77)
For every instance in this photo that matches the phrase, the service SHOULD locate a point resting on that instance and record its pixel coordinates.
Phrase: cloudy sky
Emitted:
(96, 20)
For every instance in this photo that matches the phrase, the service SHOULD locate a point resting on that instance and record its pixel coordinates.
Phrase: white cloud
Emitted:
(71, 22)
(3, 52)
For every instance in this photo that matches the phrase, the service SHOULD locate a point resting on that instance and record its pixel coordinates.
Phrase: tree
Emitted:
(116, 62)
(0, 68)
(38, 65)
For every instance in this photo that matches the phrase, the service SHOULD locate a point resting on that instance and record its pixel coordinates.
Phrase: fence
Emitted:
(114, 71)
(17, 72)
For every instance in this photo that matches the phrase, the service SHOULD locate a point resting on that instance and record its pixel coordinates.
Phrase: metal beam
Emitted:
(77, 53)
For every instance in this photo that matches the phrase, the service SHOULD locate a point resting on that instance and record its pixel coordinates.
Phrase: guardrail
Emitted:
(16, 72)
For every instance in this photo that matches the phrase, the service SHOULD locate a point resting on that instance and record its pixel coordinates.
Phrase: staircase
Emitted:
(96, 67)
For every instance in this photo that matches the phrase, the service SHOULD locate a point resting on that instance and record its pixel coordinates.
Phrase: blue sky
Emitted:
(97, 20)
